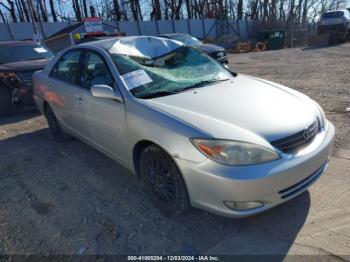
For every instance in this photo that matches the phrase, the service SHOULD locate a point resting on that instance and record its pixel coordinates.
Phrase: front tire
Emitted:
(5, 102)
(55, 127)
(163, 181)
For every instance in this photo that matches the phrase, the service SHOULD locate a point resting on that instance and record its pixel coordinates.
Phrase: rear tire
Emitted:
(5, 102)
(163, 181)
(55, 127)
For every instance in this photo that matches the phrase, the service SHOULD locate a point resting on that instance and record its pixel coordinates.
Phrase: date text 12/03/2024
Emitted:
(173, 258)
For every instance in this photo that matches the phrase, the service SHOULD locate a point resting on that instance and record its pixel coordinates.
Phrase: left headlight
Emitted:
(234, 152)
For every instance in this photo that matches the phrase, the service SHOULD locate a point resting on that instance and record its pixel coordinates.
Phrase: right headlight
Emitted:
(234, 153)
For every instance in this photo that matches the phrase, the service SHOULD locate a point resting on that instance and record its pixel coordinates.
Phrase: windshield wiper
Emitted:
(158, 94)
(172, 92)
(202, 83)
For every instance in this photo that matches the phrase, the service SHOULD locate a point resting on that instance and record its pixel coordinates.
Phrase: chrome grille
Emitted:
(297, 141)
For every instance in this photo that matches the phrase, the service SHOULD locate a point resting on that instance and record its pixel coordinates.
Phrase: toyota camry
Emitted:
(196, 133)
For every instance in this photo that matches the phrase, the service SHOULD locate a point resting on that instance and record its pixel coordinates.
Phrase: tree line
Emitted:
(267, 11)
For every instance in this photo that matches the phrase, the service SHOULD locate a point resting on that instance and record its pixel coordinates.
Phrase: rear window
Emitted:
(17, 53)
(333, 14)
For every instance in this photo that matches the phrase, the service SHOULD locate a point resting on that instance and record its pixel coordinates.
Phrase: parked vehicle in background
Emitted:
(336, 24)
(78, 33)
(215, 51)
(18, 61)
(196, 133)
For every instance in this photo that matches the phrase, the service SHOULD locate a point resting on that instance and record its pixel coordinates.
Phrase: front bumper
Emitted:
(210, 184)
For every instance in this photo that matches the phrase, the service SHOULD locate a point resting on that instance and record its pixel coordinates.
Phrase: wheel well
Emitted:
(138, 148)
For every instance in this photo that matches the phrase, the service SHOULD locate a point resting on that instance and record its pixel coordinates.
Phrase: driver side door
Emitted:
(104, 117)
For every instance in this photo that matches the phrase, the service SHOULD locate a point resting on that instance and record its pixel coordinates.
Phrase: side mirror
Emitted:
(105, 91)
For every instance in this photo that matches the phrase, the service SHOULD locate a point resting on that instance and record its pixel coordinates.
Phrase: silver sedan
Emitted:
(196, 133)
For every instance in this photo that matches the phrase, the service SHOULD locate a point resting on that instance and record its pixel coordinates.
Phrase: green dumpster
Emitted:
(275, 38)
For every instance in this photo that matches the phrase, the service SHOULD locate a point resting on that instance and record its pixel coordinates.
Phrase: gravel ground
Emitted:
(70, 199)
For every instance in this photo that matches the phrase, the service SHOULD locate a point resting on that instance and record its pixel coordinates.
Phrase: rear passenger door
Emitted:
(105, 117)
(64, 94)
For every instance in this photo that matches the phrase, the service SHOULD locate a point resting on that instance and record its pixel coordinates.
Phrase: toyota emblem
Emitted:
(308, 132)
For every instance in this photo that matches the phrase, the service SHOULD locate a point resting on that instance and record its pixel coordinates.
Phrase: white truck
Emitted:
(336, 25)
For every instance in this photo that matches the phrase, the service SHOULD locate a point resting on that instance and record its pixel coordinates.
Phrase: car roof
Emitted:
(172, 34)
(26, 42)
(338, 10)
(138, 46)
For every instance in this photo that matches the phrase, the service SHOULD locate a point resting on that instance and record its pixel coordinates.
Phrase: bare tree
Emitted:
(76, 9)
(53, 11)
(43, 11)
(116, 9)
(11, 9)
(85, 8)
(136, 9)
(3, 17)
(281, 13)
(92, 11)
(240, 9)
(174, 6)
(156, 12)
(20, 11)
(25, 10)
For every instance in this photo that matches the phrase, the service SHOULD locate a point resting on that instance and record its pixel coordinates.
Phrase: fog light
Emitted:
(241, 206)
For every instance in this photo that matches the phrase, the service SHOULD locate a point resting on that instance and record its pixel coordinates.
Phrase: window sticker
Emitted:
(136, 78)
(40, 50)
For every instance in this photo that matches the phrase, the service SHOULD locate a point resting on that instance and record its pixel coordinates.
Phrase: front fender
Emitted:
(171, 134)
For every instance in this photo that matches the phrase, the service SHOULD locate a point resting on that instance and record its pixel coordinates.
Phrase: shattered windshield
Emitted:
(174, 72)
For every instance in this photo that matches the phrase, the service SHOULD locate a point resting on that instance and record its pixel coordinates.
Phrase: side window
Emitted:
(94, 71)
(66, 69)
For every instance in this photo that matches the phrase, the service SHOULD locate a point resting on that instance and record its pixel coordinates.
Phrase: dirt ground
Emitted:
(70, 199)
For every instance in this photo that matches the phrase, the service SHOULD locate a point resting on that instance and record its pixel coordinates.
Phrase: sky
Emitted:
(66, 7)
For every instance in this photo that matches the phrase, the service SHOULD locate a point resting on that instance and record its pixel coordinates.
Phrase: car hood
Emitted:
(241, 108)
(25, 65)
(209, 48)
